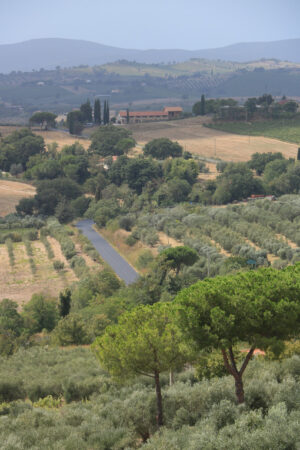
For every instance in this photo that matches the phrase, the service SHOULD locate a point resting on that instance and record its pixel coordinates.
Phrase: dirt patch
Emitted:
(288, 241)
(11, 193)
(211, 175)
(167, 240)
(220, 249)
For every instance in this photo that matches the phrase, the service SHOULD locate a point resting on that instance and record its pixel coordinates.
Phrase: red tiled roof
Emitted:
(173, 109)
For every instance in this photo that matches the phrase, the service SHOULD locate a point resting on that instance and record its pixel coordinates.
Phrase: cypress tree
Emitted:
(127, 116)
(104, 113)
(202, 106)
(298, 154)
(97, 112)
(64, 303)
(107, 112)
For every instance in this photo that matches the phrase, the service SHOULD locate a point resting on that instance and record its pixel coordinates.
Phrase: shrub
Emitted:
(11, 390)
(145, 259)
(131, 240)
(71, 330)
(48, 247)
(58, 265)
(10, 250)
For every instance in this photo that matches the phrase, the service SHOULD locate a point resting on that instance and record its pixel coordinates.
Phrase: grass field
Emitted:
(209, 142)
(283, 129)
(11, 193)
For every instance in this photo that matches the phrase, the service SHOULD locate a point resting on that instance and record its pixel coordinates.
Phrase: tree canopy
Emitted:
(163, 148)
(18, 147)
(44, 119)
(145, 342)
(106, 139)
(260, 308)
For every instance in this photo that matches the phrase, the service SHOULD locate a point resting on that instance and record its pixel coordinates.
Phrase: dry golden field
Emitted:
(210, 143)
(60, 137)
(11, 193)
(19, 284)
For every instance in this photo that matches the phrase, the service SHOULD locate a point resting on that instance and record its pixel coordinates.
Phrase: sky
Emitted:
(145, 24)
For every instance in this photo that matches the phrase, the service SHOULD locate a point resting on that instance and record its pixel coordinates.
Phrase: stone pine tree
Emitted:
(202, 106)
(97, 112)
(146, 342)
(259, 308)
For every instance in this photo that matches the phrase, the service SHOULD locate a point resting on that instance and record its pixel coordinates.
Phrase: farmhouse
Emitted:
(168, 113)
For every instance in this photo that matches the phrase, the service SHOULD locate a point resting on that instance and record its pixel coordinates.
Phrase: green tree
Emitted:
(162, 148)
(43, 119)
(259, 161)
(64, 302)
(139, 172)
(125, 145)
(202, 106)
(260, 308)
(250, 105)
(10, 319)
(71, 330)
(87, 112)
(18, 147)
(40, 313)
(105, 140)
(236, 183)
(97, 112)
(181, 168)
(75, 121)
(145, 342)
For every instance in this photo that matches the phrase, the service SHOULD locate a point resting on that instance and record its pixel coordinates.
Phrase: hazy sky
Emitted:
(189, 24)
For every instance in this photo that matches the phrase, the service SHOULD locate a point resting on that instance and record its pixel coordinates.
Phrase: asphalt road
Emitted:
(119, 265)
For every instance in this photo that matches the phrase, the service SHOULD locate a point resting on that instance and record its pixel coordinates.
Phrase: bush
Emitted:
(71, 330)
(131, 240)
(58, 265)
(145, 259)
(11, 390)
(10, 250)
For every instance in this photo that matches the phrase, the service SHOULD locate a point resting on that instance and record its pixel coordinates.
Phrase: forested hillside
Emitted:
(152, 86)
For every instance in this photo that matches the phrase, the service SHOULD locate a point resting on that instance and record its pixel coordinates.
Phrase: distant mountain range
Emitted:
(50, 53)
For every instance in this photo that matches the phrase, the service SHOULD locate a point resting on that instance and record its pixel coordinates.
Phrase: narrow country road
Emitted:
(108, 253)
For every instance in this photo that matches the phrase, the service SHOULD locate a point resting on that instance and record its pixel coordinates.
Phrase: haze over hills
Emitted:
(50, 53)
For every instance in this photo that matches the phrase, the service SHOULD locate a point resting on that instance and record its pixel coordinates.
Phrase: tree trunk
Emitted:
(171, 378)
(239, 389)
(237, 374)
(159, 417)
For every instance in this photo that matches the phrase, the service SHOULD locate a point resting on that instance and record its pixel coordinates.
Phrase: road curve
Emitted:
(108, 253)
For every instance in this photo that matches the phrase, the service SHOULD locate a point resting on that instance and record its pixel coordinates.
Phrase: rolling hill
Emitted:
(50, 53)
